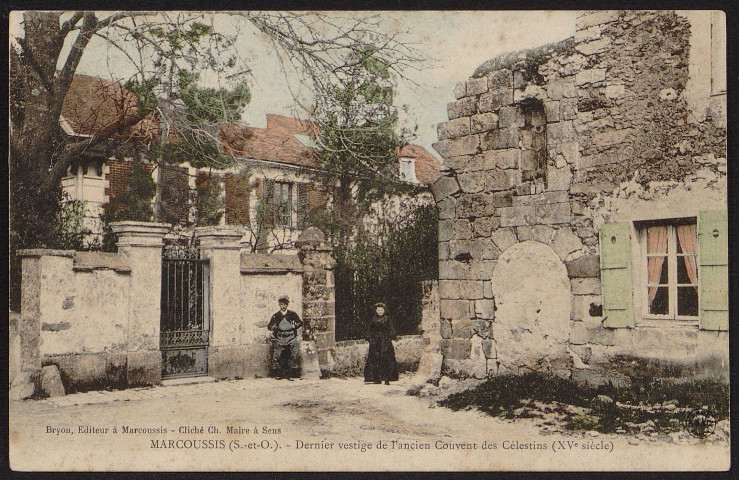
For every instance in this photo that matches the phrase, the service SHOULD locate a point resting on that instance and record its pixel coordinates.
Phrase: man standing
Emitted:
(286, 354)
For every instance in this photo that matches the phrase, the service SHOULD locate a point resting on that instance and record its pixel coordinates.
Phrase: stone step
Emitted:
(173, 382)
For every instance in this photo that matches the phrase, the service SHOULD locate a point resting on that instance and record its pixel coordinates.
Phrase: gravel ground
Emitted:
(334, 424)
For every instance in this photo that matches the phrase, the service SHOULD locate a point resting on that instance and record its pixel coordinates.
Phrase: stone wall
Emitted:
(96, 316)
(350, 355)
(519, 271)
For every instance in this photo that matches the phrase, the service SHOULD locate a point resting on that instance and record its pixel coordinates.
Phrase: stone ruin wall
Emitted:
(517, 250)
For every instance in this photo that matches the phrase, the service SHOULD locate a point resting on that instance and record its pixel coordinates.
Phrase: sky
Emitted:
(455, 42)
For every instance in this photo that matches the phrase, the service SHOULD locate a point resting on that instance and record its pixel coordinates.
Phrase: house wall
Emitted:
(519, 272)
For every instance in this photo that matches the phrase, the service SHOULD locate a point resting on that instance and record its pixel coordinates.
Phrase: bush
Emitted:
(390, 271)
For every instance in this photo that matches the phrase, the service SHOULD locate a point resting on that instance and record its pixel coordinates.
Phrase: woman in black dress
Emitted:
(380, 364)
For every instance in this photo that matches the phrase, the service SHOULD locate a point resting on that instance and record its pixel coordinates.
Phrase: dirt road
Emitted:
(335, 424)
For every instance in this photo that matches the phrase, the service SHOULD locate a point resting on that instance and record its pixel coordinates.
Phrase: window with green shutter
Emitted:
(617, 282)
(713, 242)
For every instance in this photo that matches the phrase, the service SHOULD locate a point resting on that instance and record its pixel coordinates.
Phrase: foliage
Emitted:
(133, 204)
(72, 228)
(209, 211)
(502, 395)
(390, 271)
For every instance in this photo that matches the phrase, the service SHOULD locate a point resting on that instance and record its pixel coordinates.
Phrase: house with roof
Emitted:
(276, 166)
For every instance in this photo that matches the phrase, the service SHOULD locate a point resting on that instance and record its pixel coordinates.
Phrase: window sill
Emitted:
(653, 323)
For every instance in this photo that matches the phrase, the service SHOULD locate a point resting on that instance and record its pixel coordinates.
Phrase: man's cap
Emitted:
(283, 299)
(380, 304)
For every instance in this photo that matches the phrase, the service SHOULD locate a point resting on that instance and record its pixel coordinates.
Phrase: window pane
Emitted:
(657, 240)
(661, 302)
(687, 270)
(687, 301)
(657, 270)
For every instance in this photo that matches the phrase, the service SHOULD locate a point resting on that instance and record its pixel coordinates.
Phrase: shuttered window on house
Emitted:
(680, 271)
(713, 245)
(266, 214)
(616, 273)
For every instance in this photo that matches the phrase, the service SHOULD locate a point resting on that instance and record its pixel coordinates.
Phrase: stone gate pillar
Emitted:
(141, 243)
(319, 310)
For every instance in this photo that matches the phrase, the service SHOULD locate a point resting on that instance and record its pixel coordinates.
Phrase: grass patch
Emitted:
(505, 395)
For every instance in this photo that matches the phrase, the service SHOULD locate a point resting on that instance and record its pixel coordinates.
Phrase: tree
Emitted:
(160, 46)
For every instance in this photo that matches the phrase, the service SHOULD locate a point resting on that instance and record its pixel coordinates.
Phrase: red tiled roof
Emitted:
(428, 167)
(93, 104)
(275, 143)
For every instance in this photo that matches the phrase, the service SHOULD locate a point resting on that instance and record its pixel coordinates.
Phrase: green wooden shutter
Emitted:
(616, 275)
(713, 278)
(302, 204)
(268, 197)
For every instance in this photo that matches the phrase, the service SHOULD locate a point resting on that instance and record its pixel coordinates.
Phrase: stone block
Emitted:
(502, 199)
(478, 205)
(476, 86)
(447, 208)
(591, 75)
(463, 328)
(468, 367)
(551, 110)
(568, 109)
(464, 107)
(491, 252)
(500, 180)
(544, 214)
(519, 82)
(462, 230)
(23, 386)
(501, 138)
(612, 137)
(457, 164)
(466, 250)
(483, 122)
(485, 309)
(504, 159)
(487, 289)
(510, 116)
(445, 329)
(116, 369)
(530, 92)
(559, 89)
(488, 348)
(458, 127)
(460, 289)
(446, 230)
(226, 361)
(429, 367)
(594, 46)
(455, 309)
(538, 233)
(565, 242)
(459, 90)
(443, 250)
(310, 366)
(559, 178)
(479, 270)
(587, 266)
(600, 17)
(455, 348)
(472, 182)
(504, 238)
(576, 308)
(615, 91)
(143, 368)
(588, 34)
(484, 226)
(443, 187)
(561, 132)
(500, 79)
(540, 198)
(586, 286)
(81, 373)
(325, 340)
(454, 147)
(493, 100)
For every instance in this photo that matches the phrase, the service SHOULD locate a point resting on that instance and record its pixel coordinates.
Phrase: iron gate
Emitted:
(185, 326)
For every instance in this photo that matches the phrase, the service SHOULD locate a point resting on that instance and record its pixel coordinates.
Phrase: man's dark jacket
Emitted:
(289, 315)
